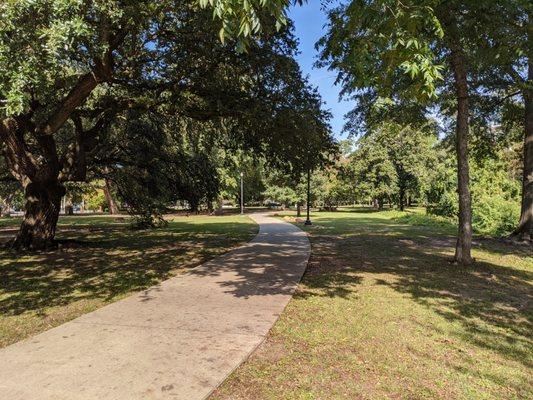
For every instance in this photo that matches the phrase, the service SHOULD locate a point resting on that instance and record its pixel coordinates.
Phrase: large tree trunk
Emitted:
(38, 228)
(464, 239)
(524, 231)
(112, 205)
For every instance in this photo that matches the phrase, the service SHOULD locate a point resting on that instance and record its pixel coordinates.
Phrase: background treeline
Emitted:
(395, 166)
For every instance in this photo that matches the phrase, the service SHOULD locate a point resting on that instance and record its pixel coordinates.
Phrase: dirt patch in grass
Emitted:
(381, 313)
(100, 262)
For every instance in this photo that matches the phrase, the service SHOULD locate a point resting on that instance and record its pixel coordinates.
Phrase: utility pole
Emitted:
(242, 194)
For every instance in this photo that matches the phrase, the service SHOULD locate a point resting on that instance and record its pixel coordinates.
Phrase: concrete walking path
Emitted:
(177, 340)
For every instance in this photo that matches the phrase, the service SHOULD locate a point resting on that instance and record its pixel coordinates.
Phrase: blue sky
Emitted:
(309, 21)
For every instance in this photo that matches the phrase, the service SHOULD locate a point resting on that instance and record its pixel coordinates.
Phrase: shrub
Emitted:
(446, 206)
(494, 215)
(495, 197)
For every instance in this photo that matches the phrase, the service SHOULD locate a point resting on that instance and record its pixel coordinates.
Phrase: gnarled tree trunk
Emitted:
(38, 228)
(40, 168)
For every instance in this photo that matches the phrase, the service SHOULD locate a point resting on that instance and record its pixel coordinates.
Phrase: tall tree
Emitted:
(83, 58)
(399, 51)
(508, 48)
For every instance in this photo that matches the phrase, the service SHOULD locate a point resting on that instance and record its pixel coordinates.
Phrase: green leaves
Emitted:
(45, 45)
(372, 43)
(242, 18)
(393, 160)
(44, 42)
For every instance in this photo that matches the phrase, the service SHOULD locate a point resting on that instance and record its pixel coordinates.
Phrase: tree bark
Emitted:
(69, 207)
(38, 228)
(299, 209)
(402, 198)
(524, 231)
(464, 239)
(112, 205)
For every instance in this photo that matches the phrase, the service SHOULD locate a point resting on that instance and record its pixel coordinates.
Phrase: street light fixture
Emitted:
(242, 195)
(308, 220)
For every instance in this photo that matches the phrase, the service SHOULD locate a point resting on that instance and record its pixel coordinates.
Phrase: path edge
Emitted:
(264, 338)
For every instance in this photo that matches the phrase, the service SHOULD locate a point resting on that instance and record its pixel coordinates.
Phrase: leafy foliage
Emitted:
(281, 194)
(392, 162)
(495, 194)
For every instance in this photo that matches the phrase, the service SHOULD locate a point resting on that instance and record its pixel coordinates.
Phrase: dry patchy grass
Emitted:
(382, 314)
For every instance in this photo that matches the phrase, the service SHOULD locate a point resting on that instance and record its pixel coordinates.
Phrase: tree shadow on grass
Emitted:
(104, 263)
(270, 265)
(492, 300)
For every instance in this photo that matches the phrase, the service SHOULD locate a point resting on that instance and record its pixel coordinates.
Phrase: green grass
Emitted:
(381, 313)
(106, 262)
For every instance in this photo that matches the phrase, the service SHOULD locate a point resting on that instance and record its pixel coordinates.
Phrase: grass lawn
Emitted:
(382, 314)
(40, 291)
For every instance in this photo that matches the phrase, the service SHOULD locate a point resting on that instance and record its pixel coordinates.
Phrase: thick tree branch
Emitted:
(74, 161)
(102, 71)
(19, 160)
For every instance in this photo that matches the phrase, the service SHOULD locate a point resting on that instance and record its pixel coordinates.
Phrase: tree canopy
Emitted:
(403, 60)
(112, 87)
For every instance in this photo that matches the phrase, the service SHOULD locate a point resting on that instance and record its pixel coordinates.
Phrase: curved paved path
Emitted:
(177, 340)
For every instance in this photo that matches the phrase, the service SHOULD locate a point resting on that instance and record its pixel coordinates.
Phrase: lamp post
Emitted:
(308, 220)
(242, 195)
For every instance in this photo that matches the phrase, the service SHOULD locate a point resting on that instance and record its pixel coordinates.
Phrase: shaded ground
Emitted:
(178, 339)
(39, 291)
(381, 313)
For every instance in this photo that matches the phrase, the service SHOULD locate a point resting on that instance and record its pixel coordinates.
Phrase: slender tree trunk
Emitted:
(112, 205)
(194, 206)
(402, 198)
(6, 206)
(299, 209)
(38, 228)
(464, 239)
(220, 204)
(69, 207)
(524, 231)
